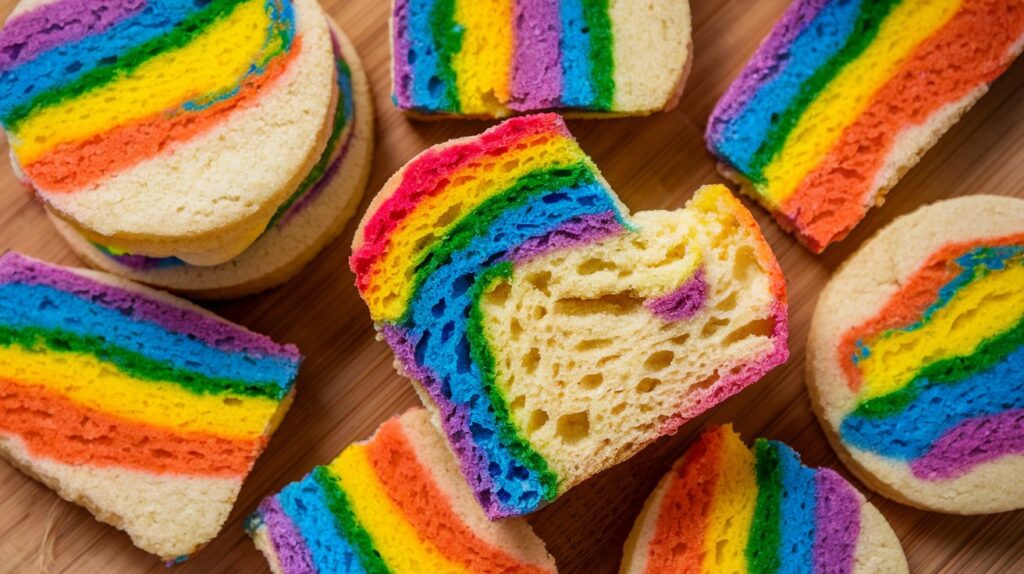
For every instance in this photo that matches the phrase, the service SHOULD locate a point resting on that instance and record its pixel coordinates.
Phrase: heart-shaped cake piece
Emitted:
(551, 333)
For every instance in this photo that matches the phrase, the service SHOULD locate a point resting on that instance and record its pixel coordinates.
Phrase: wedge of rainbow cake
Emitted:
(938, 372)
(726, 508)
(507, 278)
(844, 96)
(494, 58)
(394, 503)
(143, 408)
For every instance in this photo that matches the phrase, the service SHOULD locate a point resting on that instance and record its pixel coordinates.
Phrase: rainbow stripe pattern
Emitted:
(495, 57)
(726, 508)
(89, 88)
(550, 197)
(312, 186)
(937, 372)
(388, 505)
(101, 376)
(818, 124)
(458, 220)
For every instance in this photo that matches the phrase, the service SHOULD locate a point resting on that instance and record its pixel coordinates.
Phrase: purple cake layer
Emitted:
(58, 23)
(971, 443)
(289, 545)
(536, 67)
(837, 515)
(318, 188)
(402, 46)
(581, 230)
(684, 302)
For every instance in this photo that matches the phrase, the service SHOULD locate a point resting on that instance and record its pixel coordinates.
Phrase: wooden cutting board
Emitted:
(347, 385)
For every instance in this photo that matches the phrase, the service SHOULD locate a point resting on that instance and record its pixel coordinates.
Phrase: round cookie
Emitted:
(726, 508)
(168, 127)
(916, 357)
(306, 223)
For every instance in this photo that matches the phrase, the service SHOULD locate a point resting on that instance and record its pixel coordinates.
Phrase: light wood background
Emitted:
(347, 385)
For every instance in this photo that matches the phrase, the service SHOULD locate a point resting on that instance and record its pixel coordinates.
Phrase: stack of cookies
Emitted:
(209, 147)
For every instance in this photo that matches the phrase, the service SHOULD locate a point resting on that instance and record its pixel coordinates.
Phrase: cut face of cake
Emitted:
(313, 216)
(143, 408)
(551, 333)
(726, 508)
(918, 357)
(394, 503)
(844, 96)
(493, 58)
(167, 127)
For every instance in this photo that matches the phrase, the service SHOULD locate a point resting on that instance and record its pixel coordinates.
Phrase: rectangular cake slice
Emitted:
(140, 406)
(843, 97)
(394, 503)
(495, 58)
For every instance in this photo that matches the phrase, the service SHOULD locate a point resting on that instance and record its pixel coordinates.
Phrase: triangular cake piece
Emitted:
(394, 503)
(142, 407)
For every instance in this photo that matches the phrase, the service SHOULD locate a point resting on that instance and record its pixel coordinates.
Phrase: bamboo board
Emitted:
(347, 385)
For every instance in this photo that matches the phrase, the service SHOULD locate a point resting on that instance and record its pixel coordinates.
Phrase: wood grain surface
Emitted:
(347, 385)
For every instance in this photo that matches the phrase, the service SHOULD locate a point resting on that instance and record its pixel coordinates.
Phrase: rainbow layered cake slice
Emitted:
(551, 333)
(844, 96)
(494, 58)
(726, 508)
(313, 216)
(167, 127)
(143, 408)
(916, 357)
(394, 503)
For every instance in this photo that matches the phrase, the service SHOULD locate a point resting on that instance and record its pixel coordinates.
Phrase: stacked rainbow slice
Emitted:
(726, 508)
(554, 334)
(140, 406)
(937, 372)
(845, 95)
(314, 214)
(168, 128)
(394, 503)
(311, 187)
(497, 57)
(96, 97)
